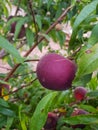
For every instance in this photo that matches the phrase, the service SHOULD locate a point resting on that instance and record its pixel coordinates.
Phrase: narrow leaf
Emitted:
(30, 37)
(49, 4)
(6, 112)
(82, 119)
(94, 36)
(41, 111)
(3, 120)
(18, 27)
(46, 36)
(38, 21)
(87, 10)
(3, 82)
(22, 119)
(10, 49)
(88, 108)
(93, 93)
(9, 123)
(88, 61)
(3, 103)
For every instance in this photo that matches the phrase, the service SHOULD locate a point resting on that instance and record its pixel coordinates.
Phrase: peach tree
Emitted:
(49, 57)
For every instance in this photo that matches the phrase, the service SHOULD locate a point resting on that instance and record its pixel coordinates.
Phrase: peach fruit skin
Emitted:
(51, 121)
(80, 93)
(55, 72)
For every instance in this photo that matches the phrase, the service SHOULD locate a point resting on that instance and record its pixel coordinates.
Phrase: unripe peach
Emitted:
(80, 93)
(56, 72)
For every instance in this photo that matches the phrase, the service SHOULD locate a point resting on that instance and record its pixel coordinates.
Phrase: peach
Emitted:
(55, 72)
(80, 93)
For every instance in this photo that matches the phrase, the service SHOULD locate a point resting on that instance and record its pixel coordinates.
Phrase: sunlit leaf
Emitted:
(87, 10)
(82, 119)
(88, 61)
(41, 111)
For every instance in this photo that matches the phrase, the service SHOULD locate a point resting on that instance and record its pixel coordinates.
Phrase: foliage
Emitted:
(29, 103)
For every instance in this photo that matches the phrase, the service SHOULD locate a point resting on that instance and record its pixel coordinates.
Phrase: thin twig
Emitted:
(33, 16)
(23, 86)
(30, 60)
(16, 75)
(17, 7)
(5, 68)
(42, 38)
(49, 29)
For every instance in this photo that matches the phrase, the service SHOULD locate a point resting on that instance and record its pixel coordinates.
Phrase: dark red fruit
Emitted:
(13, 27)
(80, 93)
(56, 72)
(51, 121)
(77, 112)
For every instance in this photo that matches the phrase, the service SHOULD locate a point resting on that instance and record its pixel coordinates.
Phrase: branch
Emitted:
(16, 75)
(42, 38)
(6, 68)
(50, 28)
(17, 7)
(23, 86)
(33, 16)
(29, 60)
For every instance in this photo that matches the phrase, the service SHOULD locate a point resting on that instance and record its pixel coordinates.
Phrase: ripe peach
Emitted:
(51, 121)
(80, 93)
(55, 72)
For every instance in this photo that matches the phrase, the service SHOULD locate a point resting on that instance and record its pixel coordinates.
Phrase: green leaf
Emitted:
(88, 108)
(6, 112)
(5, 9)
(61, 37)
(22, 119)
(3, 103)
(87, 10)
(30, 37)
(87, 62)
(19, 26)
(93, 93)
(3, 120)
(82, 81)
(10, 49)
(3, 82)
(46, 36)
(9, 123)
(38, 21)
(94, 36)
(49, 4)
(82, 119)
(40, 114)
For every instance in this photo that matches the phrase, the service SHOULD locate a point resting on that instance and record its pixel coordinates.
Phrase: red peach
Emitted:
(51, 121)
(80, 93)
(56, 72)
